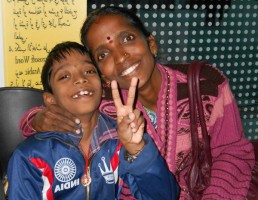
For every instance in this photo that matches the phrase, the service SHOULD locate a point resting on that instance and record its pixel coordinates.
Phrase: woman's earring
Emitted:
(154, 53)
(106, 90)
(106, 84)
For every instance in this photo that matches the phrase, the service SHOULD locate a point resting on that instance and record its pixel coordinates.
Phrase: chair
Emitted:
(14, 102)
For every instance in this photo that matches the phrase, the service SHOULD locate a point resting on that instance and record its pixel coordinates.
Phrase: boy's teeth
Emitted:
(84, 93)
(81, 93)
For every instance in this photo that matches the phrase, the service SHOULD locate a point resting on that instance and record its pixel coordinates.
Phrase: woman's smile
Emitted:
(130, 69)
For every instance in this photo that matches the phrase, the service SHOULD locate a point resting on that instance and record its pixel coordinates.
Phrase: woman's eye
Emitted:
(128, 38)
(101, 56)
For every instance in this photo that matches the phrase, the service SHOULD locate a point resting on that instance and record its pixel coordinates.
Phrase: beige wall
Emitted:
(1, 51)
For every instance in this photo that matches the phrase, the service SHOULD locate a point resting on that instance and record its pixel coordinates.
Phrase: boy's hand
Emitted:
(130, 121)
(54, 118)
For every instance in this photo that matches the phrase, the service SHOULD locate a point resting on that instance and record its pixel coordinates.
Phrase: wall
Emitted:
(30, 30)
(1, 50)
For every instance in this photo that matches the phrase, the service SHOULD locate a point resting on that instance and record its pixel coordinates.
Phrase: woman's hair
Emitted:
(58, 53)
(133, 19)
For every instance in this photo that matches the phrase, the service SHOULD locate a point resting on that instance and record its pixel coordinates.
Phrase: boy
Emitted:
(91, 165)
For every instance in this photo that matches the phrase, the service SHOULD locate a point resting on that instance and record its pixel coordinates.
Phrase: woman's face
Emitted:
(120, 50)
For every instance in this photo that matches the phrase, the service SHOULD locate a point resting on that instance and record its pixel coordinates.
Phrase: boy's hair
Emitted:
(132, 18)
(58, 53)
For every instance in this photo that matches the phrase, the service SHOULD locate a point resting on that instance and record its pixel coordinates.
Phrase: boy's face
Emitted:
(75, 84)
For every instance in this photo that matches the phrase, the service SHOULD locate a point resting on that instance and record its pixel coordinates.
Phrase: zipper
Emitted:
(88, 187)
(89, 167)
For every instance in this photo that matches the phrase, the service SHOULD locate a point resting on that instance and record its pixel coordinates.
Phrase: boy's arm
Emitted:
(51, 118)
(24, 180)
(147, 175)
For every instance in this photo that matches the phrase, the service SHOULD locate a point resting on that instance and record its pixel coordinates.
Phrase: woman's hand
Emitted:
(54, 118)
(130, 121)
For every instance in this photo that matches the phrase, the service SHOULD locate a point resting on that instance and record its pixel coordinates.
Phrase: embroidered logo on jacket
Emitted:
(67, 185)
(65, 170)
(107, 173)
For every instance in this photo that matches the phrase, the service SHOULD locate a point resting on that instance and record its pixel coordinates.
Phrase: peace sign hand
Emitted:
(130, 121)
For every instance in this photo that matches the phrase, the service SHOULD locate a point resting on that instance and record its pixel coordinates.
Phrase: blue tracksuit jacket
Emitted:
(50, 166)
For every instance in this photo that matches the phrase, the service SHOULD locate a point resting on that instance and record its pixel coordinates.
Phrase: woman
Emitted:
(122, 48)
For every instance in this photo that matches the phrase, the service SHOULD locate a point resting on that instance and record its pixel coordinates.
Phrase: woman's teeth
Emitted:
(129, 70)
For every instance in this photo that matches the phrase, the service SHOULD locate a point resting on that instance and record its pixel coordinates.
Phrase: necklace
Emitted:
(164, 153)
(86, 179)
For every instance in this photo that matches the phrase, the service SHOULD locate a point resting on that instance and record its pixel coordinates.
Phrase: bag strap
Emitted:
(195, 98)
(199, 174)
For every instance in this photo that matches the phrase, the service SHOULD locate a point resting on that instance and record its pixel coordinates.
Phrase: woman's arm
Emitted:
(51, 118)
(232, 153)
(25, 124)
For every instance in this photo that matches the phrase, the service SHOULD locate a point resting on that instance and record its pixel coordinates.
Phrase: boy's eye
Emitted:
(91, 71)
(128, 38)
(64, 77)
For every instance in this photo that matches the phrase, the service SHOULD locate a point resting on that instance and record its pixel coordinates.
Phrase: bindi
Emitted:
(109, 39)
